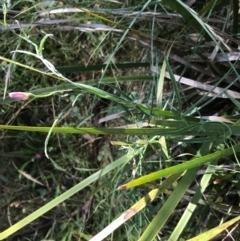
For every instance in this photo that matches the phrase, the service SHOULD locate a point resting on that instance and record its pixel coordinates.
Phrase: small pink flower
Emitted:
(38, 156)
(19, 95)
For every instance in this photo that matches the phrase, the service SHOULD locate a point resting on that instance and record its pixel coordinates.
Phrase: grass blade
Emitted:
(199, 192)
(181, 167)
(136, 208)
(215, 231)
(169, 206)
(50, 205)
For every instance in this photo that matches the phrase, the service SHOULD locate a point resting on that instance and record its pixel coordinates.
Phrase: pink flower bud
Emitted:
(38, 156)
(19, 95)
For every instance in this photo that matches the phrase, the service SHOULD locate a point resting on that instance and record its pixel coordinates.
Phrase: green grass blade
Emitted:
(83, 68)
(181, 167)
(61, 88)
(136, 208)
(50, 205)
(161, 218)
(193, 204)
(189, 16)
(176, 128)
(209, 235)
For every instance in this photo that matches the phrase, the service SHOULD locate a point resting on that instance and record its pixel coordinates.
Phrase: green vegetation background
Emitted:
(130, 126)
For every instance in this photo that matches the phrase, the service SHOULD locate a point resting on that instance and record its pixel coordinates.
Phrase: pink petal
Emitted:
(19, 95)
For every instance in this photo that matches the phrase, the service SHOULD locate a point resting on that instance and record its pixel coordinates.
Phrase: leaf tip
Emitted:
(122, 187)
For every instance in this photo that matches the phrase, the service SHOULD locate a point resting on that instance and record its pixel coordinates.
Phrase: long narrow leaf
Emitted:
(190, 17)
(161, 218)
(136, 208)
(50, 205)
(198, 193)
(181, 167)
(209, 235)
(210, 129)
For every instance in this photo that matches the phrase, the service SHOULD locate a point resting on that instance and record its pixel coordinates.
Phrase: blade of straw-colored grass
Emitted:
(164, 213)
(198, 193)
(21, 25)
(117, 11)
(181, 167)
(209, 235)
(136, 208)
(50, 205)
(89, 12)
(220, 92)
